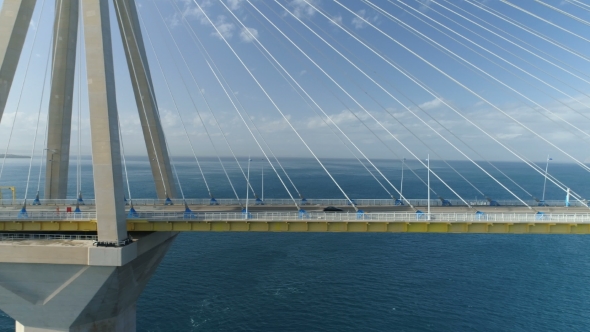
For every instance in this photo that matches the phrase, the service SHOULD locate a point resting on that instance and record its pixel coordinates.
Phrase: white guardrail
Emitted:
(309, 216)
(287, 201)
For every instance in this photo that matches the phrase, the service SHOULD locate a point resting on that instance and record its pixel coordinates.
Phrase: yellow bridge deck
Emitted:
(138, 225)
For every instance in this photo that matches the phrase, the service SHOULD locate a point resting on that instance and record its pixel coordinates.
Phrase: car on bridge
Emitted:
(332, 209)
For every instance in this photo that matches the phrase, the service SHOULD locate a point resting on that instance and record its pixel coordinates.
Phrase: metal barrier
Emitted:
(21, 236)
(287, 202)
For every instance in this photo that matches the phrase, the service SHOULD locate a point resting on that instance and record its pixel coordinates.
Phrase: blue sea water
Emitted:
(360, 282)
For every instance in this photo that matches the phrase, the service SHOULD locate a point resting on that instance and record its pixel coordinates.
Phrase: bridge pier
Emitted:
(77, 286)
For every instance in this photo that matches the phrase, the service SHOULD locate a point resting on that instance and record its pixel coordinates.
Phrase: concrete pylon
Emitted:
(65, 35)
(145, 98)
(15, 18)
(104, 123)
(77, 287)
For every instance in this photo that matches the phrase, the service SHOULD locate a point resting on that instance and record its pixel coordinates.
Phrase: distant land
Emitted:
(12, 156)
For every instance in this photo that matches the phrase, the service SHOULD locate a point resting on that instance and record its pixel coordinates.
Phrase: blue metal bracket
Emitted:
(213, 201)
(420, 215)
(303, 214)
(360, 214)
(132, 213)
(37, 201)
(23, 213)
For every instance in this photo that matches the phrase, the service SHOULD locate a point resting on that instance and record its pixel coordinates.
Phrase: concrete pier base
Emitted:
(99, 295)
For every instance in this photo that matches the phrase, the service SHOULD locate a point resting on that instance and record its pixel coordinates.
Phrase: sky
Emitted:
(385, 79)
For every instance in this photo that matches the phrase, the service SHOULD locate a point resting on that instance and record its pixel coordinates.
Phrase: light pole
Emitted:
(401, 186)
(545, 182)
(428, 179)
(247, 187)
(263, 179)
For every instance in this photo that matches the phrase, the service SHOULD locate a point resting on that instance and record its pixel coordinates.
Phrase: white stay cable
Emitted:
(351, 112)
(403, 24)
(277, 108)
(124, 160)
(175, 103)
(312, 100)
(352, 98)
(202, 50)
(579, 4)
(37, 126)
(78, 166)
(260, 46)
(196, 108)
(499, 57)
(440, 99)
(520, 40)
(544, 20)
(461, 85)
(126, 41)
(22, 88)
(574, 17)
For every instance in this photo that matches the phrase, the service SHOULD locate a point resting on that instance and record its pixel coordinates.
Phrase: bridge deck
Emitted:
(509, 220)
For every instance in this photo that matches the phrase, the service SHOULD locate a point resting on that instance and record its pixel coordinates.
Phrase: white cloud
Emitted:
(226, 29)
(248, 34)
(234, 4)
(359, 22)
(301, 9)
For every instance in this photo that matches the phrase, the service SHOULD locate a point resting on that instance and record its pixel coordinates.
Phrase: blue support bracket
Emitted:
(213, 201)
(37, 201)
(540, 216)
(480, 215)
(168, 201)
(399, 202)
(303, 214)
(304, 201)
(445, 202)
(188, 213)
(23, 213)
(494, 203)
(542, 203)
(80, 199)
(351, 202)
(77, 210)
(125, 200)
(246, 215)
(360, 214)
(132, 213)
(259, 201)
(420, 215)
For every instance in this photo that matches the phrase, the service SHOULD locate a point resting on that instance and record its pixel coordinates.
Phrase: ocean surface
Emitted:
(357, 282)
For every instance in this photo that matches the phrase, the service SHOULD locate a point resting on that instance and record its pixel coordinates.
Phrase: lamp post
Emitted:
(247, 187)
(262, 168)
(401, 186)
(545, 181)
(428, 179)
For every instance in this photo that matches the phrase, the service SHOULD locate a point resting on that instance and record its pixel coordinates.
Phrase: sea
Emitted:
(356, 282)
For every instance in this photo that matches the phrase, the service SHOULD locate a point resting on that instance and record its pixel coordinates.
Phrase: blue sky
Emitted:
(562, 93)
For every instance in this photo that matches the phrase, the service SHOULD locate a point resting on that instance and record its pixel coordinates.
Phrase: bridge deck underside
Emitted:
(137, 225)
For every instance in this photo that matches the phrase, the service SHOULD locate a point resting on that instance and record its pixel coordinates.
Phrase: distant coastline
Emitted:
(12, 156)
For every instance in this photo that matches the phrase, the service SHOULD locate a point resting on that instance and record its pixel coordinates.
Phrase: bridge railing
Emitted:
(377, 217)
(173, 216)
(21, 237)
(46, 215)
(289, 202)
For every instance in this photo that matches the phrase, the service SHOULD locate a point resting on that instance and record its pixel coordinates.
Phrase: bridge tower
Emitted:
(85, 287)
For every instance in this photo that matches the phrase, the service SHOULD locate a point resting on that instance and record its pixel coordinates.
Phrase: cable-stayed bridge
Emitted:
(370, 81)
